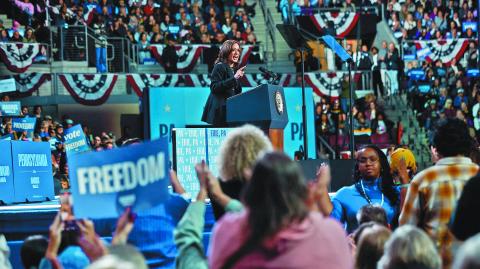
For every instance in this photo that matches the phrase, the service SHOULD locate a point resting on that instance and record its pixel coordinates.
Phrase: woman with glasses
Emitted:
(373, 184)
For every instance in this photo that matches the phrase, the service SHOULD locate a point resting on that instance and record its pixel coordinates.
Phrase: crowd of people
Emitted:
(270, 216)
(143, 23)
(52, 130)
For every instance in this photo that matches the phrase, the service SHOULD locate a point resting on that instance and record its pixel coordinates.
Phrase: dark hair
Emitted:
(373, 213)
(370, 247)
(386, 176)
(275, 198)
(225, 50)
(451, 138)
(33, 250)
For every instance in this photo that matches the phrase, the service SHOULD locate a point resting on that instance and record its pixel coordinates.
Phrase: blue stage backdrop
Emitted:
(180, 106)
(32, 166)
(6, 173)
(104, 183)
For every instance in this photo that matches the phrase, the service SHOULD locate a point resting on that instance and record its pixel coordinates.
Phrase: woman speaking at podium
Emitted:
(224, 83)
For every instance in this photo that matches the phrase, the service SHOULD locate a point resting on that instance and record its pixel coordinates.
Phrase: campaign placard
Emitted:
(32, 170)
(24, 124)
(75, 140)
(7, 85)
(10, 109)
(104, 183)
(6, 173)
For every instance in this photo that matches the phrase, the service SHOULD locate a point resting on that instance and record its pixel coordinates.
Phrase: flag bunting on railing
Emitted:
(443, 50)
(28, 83)
(139, 82)
(343, 22)
(89, 89)
(18, 57)
(325, 84)
(188, 55)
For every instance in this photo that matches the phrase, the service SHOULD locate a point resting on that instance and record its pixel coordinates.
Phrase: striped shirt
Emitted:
(432, 197)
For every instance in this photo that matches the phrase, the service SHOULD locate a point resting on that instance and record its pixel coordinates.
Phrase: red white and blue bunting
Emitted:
(28, 83)
(89, 89)
(18, 57)
(325, 84)
(188, 55)
(140, 82)
(343, 22)
(252, 80)
(443, 50)
(193, 80)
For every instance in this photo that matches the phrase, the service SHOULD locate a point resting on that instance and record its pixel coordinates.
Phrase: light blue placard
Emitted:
(10, 108)
(32, 171)
(75, 140)
(6, 173)
(104, 183)
(24, 124)
(177, 107)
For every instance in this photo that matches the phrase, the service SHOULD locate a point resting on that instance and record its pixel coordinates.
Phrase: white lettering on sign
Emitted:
(116, 177)
(4, 171)
(32, 160)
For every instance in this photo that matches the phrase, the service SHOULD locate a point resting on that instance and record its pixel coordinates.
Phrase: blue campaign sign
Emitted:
(24, 124)
(32, 171)
(177, 107)
(104, 183)
(6, 173)
(75, 140)
(10, 108)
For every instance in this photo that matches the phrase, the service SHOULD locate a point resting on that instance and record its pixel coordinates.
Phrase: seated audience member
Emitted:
(33, 250)
(433, 193)
(466, 222)
(237, 153)
(373, 213)
(373, 185)
(410, 247)
(467, 256)
(370, 246)
(277, 227)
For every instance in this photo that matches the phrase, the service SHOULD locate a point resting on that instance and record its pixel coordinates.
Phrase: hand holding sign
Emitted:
(89, 241)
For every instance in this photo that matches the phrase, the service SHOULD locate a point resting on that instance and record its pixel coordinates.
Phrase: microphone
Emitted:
(267, 73)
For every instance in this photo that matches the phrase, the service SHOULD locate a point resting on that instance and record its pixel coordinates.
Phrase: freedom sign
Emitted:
(24, 124)
(104, 183)
(75, 140)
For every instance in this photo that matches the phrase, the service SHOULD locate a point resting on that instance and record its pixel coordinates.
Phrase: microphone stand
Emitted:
(304, 107)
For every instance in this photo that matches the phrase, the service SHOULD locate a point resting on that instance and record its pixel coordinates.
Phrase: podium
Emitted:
(264, 107)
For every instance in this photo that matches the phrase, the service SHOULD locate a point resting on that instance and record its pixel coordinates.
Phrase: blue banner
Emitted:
(24, 124)
(32, 166)
(6, 173)
(75, 140)
(180, 106)
(104, 183)
(10, 109)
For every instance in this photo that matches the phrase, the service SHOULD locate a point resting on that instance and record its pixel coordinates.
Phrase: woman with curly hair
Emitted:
(237, 155)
